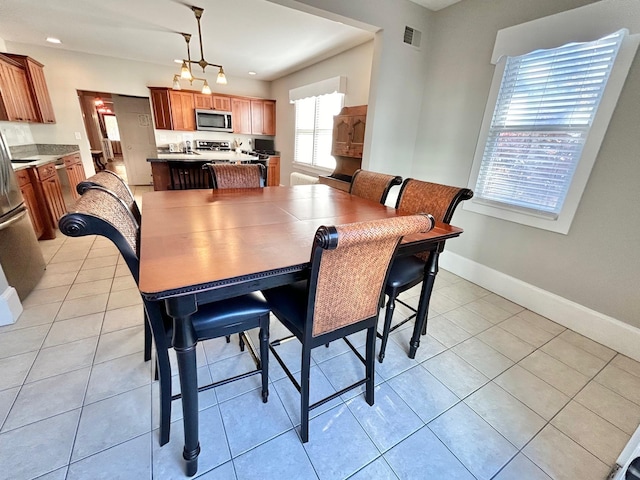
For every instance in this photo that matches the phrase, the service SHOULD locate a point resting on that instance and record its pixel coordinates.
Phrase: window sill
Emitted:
(313, 170)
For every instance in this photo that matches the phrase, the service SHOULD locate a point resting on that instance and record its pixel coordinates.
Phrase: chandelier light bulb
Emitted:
(222, 79)
(185, 72)
(206, 89)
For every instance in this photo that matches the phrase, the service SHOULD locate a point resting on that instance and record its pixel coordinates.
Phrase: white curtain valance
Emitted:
(323, 87)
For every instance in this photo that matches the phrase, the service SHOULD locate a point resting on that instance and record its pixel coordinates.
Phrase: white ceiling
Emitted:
(241, 35)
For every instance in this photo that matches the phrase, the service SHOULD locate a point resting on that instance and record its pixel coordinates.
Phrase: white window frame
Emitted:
(580, 25)
(316, 132)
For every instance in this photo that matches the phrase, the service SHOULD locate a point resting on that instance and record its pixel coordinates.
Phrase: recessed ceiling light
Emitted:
(53, 40)
(252, 73)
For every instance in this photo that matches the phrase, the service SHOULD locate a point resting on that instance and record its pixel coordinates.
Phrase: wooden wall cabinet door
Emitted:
(241, 110)
(273, 172)
(16, 96)
(221, 103)
(203, 101)
(39, 91)
(161, 106)
(263, 117)
(182, 110)
(75, 172)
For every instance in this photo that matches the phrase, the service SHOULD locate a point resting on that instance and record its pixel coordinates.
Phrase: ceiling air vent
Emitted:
(412, 36)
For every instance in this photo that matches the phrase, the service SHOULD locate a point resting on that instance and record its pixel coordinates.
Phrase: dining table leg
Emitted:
(430, 272)
(184, 343)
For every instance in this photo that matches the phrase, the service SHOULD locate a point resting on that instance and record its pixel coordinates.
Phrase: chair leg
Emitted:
(264, 357)
(388, 316)
(147, 338)
(370, 365)
(304, 393)
(241, 342)
(228, 337)
(164, 371)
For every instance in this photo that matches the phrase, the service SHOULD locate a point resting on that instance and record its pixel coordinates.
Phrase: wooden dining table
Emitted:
(200, 246)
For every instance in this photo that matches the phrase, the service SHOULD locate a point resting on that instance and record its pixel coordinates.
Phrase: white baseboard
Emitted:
(10, 306)
(597, 326)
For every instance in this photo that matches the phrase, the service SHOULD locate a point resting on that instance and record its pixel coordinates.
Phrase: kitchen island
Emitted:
(160, 163)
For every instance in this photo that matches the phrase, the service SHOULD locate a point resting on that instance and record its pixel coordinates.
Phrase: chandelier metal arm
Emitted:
(186, 63)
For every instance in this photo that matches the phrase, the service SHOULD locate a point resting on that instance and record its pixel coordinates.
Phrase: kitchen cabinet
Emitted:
(182, 110)
(273, 171)
(37, 88)
(241, 112)
(173, 109)
(263, 117)
(348, 132)
(161, 107)
(221, 103)
(200, 100)
(49, 199)
(16, 104)
(75, 172)
(30, 201)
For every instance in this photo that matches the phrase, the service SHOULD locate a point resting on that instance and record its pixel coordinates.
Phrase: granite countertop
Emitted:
(38, 155)
(203, 156)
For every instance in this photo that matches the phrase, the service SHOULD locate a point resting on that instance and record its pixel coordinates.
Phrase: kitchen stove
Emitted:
(213, 145)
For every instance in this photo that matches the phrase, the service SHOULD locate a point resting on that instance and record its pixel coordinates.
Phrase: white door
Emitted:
(136, 136)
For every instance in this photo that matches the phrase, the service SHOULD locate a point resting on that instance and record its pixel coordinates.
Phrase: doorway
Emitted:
(120, 133)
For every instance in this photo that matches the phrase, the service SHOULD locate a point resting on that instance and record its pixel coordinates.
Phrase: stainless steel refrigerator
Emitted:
(20, 255)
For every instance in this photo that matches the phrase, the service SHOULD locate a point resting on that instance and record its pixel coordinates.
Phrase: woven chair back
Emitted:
(372, 185)
(113, 182)
(237, 176)
(439, 200)
(100, 212)
(350, 277)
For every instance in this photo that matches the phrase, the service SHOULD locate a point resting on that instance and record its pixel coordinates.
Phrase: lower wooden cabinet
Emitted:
(75, 172)
(31, 202)
(273, 172)
(49, 201)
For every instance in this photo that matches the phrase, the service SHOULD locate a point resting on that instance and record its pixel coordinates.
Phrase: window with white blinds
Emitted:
(544, 110)
(314, 129)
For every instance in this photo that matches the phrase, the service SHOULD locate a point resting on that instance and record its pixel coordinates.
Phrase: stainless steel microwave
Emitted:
(213, 121)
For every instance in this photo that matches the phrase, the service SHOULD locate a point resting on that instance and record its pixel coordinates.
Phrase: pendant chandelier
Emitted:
(185, 70)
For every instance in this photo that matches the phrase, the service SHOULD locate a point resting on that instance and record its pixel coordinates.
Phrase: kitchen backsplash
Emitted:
(16, 133)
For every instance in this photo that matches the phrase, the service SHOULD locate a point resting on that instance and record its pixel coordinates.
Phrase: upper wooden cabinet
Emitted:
(174, 110)
(200, 100)
(221, 103)
(161, 106)
(241, 115)
(348, 132)
(25, 97)
(263, 117)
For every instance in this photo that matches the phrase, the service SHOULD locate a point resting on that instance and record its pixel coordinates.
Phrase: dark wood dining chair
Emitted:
(406, 272)
(349, 265)
(188, 175)
(226, 175)
(373, 185)
(100, 212)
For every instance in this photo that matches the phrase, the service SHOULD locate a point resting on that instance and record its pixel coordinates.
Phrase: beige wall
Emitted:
(397, 79)
(354, 64)
(596, 264)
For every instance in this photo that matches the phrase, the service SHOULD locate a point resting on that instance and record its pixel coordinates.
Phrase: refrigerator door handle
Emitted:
(16, 218)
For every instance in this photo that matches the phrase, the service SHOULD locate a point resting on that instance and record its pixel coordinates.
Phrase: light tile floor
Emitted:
(495, 392)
